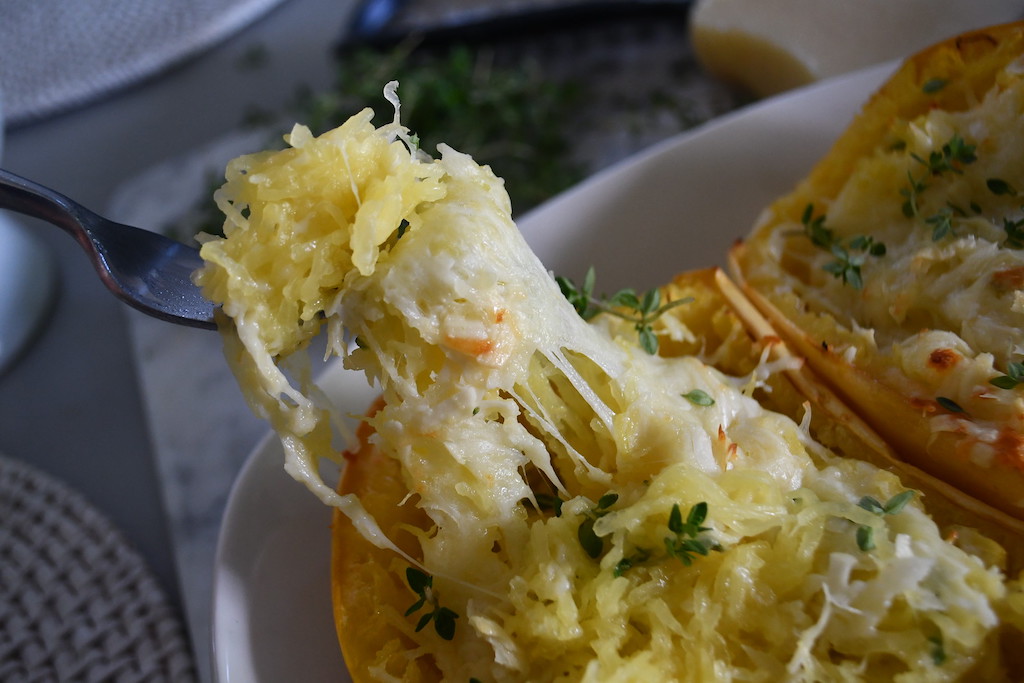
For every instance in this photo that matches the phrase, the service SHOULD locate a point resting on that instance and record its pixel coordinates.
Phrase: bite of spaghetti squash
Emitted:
(587, 510)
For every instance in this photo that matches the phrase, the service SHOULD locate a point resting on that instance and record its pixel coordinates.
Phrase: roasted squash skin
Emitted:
(974, 440)
(361, 576)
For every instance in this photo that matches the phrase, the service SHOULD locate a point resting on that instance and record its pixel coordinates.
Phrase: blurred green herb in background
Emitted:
(537, 126)
(501, 115)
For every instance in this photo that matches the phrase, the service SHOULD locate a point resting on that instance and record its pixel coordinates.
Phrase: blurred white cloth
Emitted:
(57, 54)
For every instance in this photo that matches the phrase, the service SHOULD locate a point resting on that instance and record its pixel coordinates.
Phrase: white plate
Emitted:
(677, 206)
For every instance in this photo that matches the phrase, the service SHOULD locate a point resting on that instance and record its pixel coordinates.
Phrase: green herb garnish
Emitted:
(422, 584)
(849, 257)
(938, 650)
(941, 223)
(1014, 233)
(641, 310)
(1012, 379)
(630, 561)
(581, 297)
(550, 502)
(950, 158)
(895, 505)
(1000, 187)
(593, 544)
(866, 538)
(495, 112)
(934, 85)
(685, 543)
(911, 194)
(949, 404)
(1014, 229)
(699, 397)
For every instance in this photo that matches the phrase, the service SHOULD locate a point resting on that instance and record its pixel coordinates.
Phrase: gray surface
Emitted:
(72, 405)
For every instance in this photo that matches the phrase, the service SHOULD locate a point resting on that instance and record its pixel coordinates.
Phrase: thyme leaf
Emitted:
(895, 505)
(699, 397)
(941, 223)
(866, 538)
(949, 404)
(1012, 379)
(444, 618)
(626, 563)
(999, 187)
(593, 544)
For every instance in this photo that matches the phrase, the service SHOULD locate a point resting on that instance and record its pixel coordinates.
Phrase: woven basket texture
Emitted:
(76, 602)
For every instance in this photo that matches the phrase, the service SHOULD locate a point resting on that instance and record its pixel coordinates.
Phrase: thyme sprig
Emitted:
(849, 257)
(950, 158)
(686, 541)
(640, 309)
(422, 584)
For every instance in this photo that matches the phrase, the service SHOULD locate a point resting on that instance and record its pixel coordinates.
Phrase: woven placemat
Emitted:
(56, 54)
(76, 603)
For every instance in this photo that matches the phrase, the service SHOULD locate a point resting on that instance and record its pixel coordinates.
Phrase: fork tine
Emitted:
(144, 269)
(150, 272)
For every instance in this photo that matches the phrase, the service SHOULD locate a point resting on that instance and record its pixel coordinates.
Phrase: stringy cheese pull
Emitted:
(496, 391)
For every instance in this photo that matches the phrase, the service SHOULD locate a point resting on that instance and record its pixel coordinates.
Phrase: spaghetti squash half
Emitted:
(539, 497)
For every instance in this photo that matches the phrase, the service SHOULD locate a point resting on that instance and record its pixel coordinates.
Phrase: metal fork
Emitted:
(144, 269)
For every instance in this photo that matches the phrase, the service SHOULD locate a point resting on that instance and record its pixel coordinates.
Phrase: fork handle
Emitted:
(32, 199)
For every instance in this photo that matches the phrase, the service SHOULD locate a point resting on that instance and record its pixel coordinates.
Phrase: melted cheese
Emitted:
(957, 296)
(496, 391)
